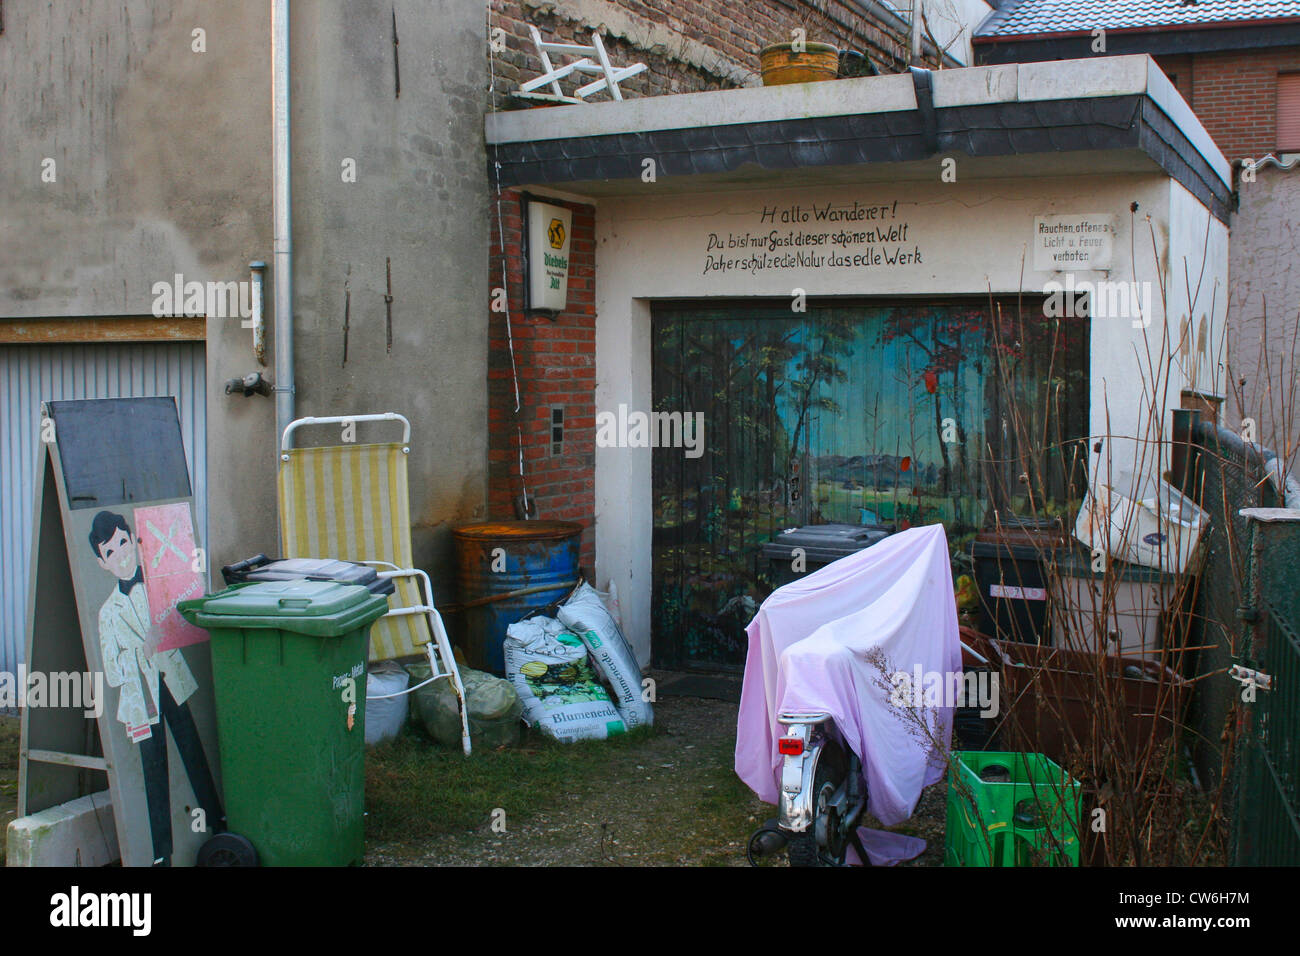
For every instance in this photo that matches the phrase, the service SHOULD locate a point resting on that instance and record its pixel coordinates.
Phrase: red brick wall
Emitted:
(1235, 95)
(556, 362)
(738, 29)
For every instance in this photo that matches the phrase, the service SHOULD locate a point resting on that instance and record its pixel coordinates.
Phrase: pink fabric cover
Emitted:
(833, 641)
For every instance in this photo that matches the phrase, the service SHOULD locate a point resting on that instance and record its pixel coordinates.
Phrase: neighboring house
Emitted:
(1237, 64)
(137, 145)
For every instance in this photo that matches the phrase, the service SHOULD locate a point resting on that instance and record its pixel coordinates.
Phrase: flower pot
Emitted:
(780, 64)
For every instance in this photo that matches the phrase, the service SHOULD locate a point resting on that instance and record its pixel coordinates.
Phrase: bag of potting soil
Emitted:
(557, 686)
(585, 614)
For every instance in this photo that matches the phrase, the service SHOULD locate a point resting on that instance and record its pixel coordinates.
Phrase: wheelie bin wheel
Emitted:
(227, 849)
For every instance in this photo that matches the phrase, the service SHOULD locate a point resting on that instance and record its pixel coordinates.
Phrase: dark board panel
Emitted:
(119, 450)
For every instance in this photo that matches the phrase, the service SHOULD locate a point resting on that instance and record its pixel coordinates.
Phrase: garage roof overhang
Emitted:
(1063, 118)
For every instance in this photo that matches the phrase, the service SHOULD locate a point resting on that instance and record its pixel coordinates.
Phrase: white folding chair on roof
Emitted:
(350, 502)
(611, 75)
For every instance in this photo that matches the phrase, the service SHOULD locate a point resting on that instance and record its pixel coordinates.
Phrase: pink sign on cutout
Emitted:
(167, 557)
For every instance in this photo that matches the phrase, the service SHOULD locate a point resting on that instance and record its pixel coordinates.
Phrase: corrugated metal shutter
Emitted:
(31, 374)
(1288, 112)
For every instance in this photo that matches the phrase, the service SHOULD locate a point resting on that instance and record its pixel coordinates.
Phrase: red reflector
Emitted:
(790, 746)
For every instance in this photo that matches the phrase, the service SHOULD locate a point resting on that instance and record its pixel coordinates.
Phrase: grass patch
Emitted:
(416, 790)
(10, 733)
(665, 796)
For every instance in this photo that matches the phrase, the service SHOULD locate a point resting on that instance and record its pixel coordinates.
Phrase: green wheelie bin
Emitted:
(289, 676)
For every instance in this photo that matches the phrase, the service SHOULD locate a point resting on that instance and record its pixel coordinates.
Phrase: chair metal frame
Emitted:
(438, 650)
(610, 75)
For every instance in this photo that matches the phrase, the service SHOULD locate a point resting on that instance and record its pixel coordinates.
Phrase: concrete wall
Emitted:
(972, 238)
(1266, 298)
(419, 200)
(164, 166)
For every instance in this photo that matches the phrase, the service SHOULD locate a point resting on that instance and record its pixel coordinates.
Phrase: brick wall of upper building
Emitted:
(688, 45)
(1234, 95)
(555, 361)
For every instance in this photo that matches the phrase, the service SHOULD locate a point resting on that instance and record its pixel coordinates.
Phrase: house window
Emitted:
(1288, 112)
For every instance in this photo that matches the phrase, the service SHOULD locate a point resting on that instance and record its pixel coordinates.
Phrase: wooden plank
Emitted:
(67, 759)
(52, 647)
(120, 328)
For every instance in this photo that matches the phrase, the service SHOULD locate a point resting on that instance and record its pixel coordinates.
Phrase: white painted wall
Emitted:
(973, 237)
(1198, 289)
(953, 22)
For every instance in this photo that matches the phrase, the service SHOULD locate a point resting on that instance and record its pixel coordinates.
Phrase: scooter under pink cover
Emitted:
(833, 642)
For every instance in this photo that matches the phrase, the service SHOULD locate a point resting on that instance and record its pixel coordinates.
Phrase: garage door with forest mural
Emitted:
(897, 413)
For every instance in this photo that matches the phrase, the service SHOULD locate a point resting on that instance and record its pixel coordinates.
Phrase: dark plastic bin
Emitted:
(1013, 591)
(261, 568)
(821, 544)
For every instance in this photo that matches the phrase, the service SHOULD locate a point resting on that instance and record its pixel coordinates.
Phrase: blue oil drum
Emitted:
(506, 569)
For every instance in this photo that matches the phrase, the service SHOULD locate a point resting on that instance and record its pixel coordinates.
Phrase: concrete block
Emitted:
(81, 832)
(1071, 79)
(976, 85)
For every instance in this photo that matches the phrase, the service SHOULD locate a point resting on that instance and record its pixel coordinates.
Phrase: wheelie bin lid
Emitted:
(824, 542)
(316, 608)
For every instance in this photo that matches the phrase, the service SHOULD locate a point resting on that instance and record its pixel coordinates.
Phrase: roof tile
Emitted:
(1029, 17)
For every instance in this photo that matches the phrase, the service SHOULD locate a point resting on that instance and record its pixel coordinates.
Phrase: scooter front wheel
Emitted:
(832, 768)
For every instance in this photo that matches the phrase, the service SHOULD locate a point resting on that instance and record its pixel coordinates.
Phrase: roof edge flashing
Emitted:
(966, 86)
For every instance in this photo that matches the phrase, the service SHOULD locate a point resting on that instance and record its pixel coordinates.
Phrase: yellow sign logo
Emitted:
(556, 234)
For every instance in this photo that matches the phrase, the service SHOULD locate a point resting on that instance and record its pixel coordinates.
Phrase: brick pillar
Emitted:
(556, 362)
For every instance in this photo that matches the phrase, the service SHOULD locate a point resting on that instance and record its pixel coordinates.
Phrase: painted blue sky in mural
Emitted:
(883, 405)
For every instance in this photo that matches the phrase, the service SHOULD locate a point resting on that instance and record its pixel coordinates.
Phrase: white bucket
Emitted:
(1155, 526)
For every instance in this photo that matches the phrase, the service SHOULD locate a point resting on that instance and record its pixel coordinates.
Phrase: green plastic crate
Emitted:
(1032, 819)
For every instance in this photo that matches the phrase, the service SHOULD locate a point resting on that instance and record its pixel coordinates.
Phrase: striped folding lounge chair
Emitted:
(350, 502)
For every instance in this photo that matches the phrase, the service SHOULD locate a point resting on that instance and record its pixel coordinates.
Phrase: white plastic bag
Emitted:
(614, 661)
(384, 718)
(610, 600)
(556, 684)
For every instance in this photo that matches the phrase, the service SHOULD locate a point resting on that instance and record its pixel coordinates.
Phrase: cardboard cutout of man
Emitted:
(153, 685)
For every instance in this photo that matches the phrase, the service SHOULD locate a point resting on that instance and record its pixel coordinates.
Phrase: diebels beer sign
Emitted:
(549, 233)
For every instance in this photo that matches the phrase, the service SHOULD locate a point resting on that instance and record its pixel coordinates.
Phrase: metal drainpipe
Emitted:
(282, 250)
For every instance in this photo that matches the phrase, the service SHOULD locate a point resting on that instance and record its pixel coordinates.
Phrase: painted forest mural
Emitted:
(880, 414)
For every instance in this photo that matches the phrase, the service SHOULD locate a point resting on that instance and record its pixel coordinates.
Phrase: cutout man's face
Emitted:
(117, 555)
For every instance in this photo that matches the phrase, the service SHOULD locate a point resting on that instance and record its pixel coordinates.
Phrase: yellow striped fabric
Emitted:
(350, 502)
